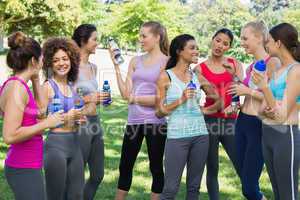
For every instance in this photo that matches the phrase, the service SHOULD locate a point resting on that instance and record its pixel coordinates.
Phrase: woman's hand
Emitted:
(187, 94)
(100, 97)
(74, 114)
(238, 89)
(112, 56)
(229, 67)
(54, 120)
(260, 80)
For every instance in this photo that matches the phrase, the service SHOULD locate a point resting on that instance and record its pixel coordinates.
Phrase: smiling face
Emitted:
(272, 46)
(190, 52)
(250, 40)
(61, 64)
(147, 39)
(220, 44)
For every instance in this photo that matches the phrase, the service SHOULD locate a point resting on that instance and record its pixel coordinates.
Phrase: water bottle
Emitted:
(56, 106)
(79, 100)
(191, 102)
(116, 51)
(106, 88)
(235, 98)
(260, 67)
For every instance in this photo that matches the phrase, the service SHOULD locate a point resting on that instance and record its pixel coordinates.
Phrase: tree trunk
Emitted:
(1, 42)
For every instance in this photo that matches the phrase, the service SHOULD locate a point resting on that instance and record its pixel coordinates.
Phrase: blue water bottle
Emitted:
(260, 67)
(191, 102)
(106, 88)
(79, 100)
(56, 106)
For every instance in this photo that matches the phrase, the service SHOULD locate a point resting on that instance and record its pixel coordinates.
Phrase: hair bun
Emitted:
(16, 40)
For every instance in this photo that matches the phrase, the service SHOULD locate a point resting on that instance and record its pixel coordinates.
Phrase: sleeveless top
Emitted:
(222, 82)
(68, 102)
(249, 70)
(278, 85)
(144, 84)
(87, 86)
(29, 153)
(187, 119)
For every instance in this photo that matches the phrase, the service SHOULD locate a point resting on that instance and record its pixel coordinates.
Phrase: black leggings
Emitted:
(133, 138)
(92, 148)
(26, 184)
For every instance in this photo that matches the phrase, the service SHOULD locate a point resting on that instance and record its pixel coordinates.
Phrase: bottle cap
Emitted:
(105, 82)
(260, 66)
(192, 85)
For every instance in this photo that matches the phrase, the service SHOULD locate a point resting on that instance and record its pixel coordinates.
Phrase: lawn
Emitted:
(113, 119)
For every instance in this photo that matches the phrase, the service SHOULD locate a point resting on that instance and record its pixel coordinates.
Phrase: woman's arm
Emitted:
(163, 109)
(282, 109)
(210, 92)
(13, 131)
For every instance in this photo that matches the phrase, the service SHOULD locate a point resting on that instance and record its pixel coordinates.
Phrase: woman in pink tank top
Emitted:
(139, 89)
(21, 129)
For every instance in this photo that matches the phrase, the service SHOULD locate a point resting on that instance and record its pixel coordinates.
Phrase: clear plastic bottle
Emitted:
(191, 102)
(116, 51)
(235, 98)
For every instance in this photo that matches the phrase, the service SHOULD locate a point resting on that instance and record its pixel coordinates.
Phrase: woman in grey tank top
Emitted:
(139, 89)
(91, 134)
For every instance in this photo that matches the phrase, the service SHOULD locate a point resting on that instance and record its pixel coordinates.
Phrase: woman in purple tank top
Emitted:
(139, 89)
(21, 129)
(63, 163)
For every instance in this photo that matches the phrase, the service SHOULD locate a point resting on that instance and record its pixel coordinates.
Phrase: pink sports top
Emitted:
(29, 153)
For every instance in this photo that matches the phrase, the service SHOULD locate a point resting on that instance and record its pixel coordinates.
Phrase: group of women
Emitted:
(162, 107)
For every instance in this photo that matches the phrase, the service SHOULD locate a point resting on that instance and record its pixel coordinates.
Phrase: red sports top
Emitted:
(221, 82)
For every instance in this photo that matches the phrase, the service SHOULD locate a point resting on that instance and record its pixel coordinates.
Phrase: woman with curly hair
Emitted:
(63, 164)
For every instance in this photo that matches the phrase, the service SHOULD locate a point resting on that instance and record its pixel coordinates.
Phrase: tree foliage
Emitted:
(201, 18)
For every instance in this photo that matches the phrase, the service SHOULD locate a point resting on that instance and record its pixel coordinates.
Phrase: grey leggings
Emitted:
(281, 150)
(26, 184)
(220, 131)
(63, 167)
(178, 153)
(92, 147)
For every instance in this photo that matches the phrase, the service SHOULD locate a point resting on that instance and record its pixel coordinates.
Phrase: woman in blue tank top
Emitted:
(280, 112)
(187, 136)
(63, 163)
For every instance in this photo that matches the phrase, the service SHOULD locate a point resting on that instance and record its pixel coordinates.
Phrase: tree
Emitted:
(127, 19)
(40, 18)
(223, 13)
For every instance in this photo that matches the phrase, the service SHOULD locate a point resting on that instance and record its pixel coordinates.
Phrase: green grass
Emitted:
(113, 119)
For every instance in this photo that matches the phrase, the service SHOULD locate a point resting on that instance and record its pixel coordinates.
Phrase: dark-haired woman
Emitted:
(139, 89)
(187, 136)
(21, 129)
(64, 171)
(91, 133)
(220, 125)
(280, 109)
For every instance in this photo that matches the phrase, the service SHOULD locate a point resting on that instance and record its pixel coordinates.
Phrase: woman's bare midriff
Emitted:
(251, 106)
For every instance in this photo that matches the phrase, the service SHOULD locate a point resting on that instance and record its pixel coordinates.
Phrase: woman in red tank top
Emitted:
(219, 124)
